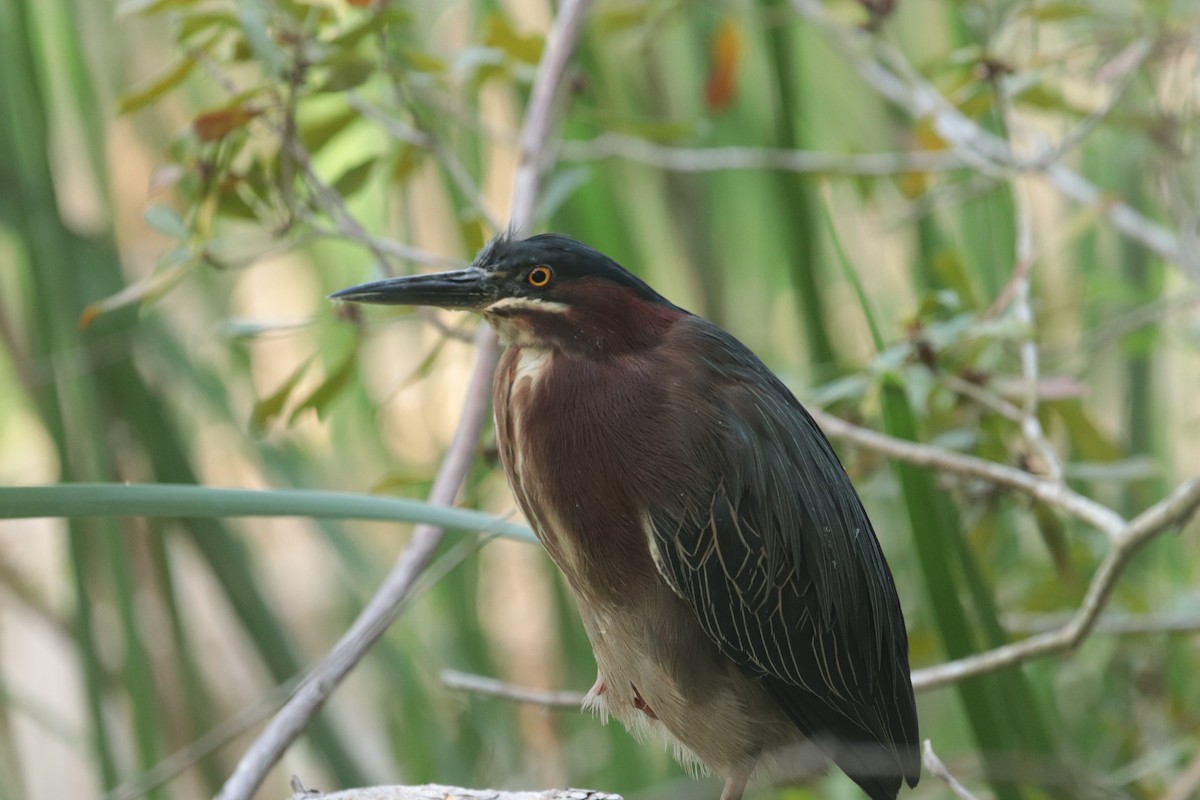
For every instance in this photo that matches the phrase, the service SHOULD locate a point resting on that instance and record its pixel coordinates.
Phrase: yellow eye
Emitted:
(539, 277)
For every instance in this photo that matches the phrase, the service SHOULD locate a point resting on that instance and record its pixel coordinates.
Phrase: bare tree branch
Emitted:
(935, 767)
(1057, 495)
(1173, 510)
(1031, 426)
(1108, 624)
(899, 83)
(492, 687)
(388, 247)
(310, 697)
(715, 159)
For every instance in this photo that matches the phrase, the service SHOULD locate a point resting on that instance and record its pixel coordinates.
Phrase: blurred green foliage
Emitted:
(178, 335)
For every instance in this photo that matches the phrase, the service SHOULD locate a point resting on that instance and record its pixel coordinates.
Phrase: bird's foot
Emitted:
(641, 705)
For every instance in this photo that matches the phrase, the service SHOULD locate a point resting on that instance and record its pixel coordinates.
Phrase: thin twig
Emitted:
(493, 687)
(1108, 624)
(1059, 496)
(981, 395)
(716, 159)
(454, 168)
(986, 152)
(532, 151)
(333, 203)
(1173, 510)
(935, 767)
(1122, 69)
(400, 250)
(291, 721)
(1031, 426)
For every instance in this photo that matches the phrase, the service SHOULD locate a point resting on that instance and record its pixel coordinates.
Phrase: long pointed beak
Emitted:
(461, 288)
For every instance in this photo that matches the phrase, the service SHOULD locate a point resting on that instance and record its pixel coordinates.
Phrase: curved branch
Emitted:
(1173, 510)
(935, 767)
(898, 82)
(1057, 495)
(716, 159)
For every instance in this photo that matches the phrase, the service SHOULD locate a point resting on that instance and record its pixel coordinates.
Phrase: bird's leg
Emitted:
(735, 786)
(641, 705)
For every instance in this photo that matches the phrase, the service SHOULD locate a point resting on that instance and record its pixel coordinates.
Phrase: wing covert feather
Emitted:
(774, 552)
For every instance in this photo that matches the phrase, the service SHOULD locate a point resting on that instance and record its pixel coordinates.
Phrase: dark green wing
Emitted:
(774, 552)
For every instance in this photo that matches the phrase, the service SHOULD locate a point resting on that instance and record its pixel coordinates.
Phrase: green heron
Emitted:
(731, 585)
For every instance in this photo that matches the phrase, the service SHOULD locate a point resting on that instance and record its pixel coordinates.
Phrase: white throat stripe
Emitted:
(529, 303)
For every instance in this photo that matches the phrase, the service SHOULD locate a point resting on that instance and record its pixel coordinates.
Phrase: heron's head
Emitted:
(546, 291)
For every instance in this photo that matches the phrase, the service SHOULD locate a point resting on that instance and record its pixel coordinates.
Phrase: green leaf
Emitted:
(255, 21)
(318, 133)
(231, 204)
(347, 73)
(166, 221)
(420, 61)
(1057, 12)
(148, 7)
(500, 34)
(200, 21)
(408, 158)
(382, 18)
(318, 399)
(163, 83)
(268, 408)
(176, 265)
(1090, 443)
(355, 179)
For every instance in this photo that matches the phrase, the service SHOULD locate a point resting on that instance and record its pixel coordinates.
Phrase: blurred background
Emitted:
(183, 181)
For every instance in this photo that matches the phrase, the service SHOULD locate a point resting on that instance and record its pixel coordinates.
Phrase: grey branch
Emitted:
(1021, 283)
(716, 159)
(310, 697)
(1057, 495)
(935, 767)
(492, 687)
(1109, 624)
(1170, 512)
(436, 792)
(991, 155)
